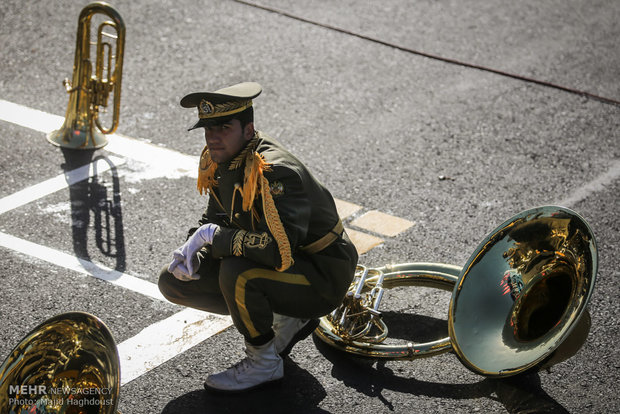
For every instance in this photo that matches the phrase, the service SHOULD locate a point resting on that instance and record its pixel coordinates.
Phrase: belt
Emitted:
(323, 242)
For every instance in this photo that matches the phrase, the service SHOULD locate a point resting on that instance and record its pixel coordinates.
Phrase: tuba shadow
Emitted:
(91, 195)
(301, 393)
(518, 394)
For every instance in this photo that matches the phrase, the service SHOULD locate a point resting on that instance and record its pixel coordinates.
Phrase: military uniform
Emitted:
(322, 270)
(279, 248)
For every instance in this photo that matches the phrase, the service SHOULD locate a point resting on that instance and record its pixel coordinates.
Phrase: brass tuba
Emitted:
(67, 364)
(519, 299)
(91, 86)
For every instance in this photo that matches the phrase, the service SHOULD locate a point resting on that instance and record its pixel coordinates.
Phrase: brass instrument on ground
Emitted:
(94, 80)
(519, 299)
(67, 364)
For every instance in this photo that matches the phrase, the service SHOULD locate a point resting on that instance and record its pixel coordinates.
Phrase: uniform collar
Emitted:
(238, 160)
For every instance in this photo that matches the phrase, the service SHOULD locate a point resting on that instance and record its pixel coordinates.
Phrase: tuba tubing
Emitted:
(519, 303)
(432, 275)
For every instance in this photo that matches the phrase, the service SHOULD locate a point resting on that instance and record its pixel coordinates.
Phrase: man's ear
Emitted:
(248, 131)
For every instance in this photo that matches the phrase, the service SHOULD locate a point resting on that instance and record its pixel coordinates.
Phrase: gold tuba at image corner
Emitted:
(69, 364)
(95, 79)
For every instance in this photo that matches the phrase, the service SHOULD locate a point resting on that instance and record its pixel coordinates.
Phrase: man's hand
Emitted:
(178, 269)
(183, 265)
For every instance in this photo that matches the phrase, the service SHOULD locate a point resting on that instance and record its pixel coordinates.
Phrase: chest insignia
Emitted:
(276, 188)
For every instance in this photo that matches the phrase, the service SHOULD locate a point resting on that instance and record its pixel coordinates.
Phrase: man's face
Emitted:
(226, 140)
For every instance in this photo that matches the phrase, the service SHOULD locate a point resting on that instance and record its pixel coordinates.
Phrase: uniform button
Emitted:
(237, 215)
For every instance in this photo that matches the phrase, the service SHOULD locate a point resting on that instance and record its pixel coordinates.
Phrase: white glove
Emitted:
(185, 254)
(178, 269)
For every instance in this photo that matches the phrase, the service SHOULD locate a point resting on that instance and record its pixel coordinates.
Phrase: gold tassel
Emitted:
(254, 179)
(206, 172)
(275, 226)
(255, 165)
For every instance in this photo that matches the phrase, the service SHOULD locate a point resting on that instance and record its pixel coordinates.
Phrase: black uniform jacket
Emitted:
(306, 209)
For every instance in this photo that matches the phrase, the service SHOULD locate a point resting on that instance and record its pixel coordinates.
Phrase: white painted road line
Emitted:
(156, 343)
(174, 162)
(29, 118)
(160, 161)
(594, 186)
(166, 339)
(169, 163)
(57, 183)
(81, 266)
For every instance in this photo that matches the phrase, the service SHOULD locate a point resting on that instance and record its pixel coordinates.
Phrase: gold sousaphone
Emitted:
(94, 80)
(67, 364)
(520, 297)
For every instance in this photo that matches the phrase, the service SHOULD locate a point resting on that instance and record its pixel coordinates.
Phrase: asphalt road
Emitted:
(452, 115)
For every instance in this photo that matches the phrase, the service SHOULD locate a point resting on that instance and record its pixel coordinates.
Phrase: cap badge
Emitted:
(206, 107)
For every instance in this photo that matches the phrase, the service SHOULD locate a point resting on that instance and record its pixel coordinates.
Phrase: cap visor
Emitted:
(201, 123)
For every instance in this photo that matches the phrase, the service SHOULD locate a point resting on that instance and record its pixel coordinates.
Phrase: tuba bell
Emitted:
(517, 304)
(94, 80)
(67, 364)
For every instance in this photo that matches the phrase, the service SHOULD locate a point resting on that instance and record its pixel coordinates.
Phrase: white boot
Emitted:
(289, 331)
(262, 365)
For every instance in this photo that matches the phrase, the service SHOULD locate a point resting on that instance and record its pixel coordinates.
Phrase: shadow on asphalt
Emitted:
(299, 392)
(91, 196)
(518, 394)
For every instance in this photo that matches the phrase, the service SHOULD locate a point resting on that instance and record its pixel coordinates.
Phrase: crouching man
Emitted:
(269, 249)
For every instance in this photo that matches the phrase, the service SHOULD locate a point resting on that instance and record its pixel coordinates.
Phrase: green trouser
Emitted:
(251, 293)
